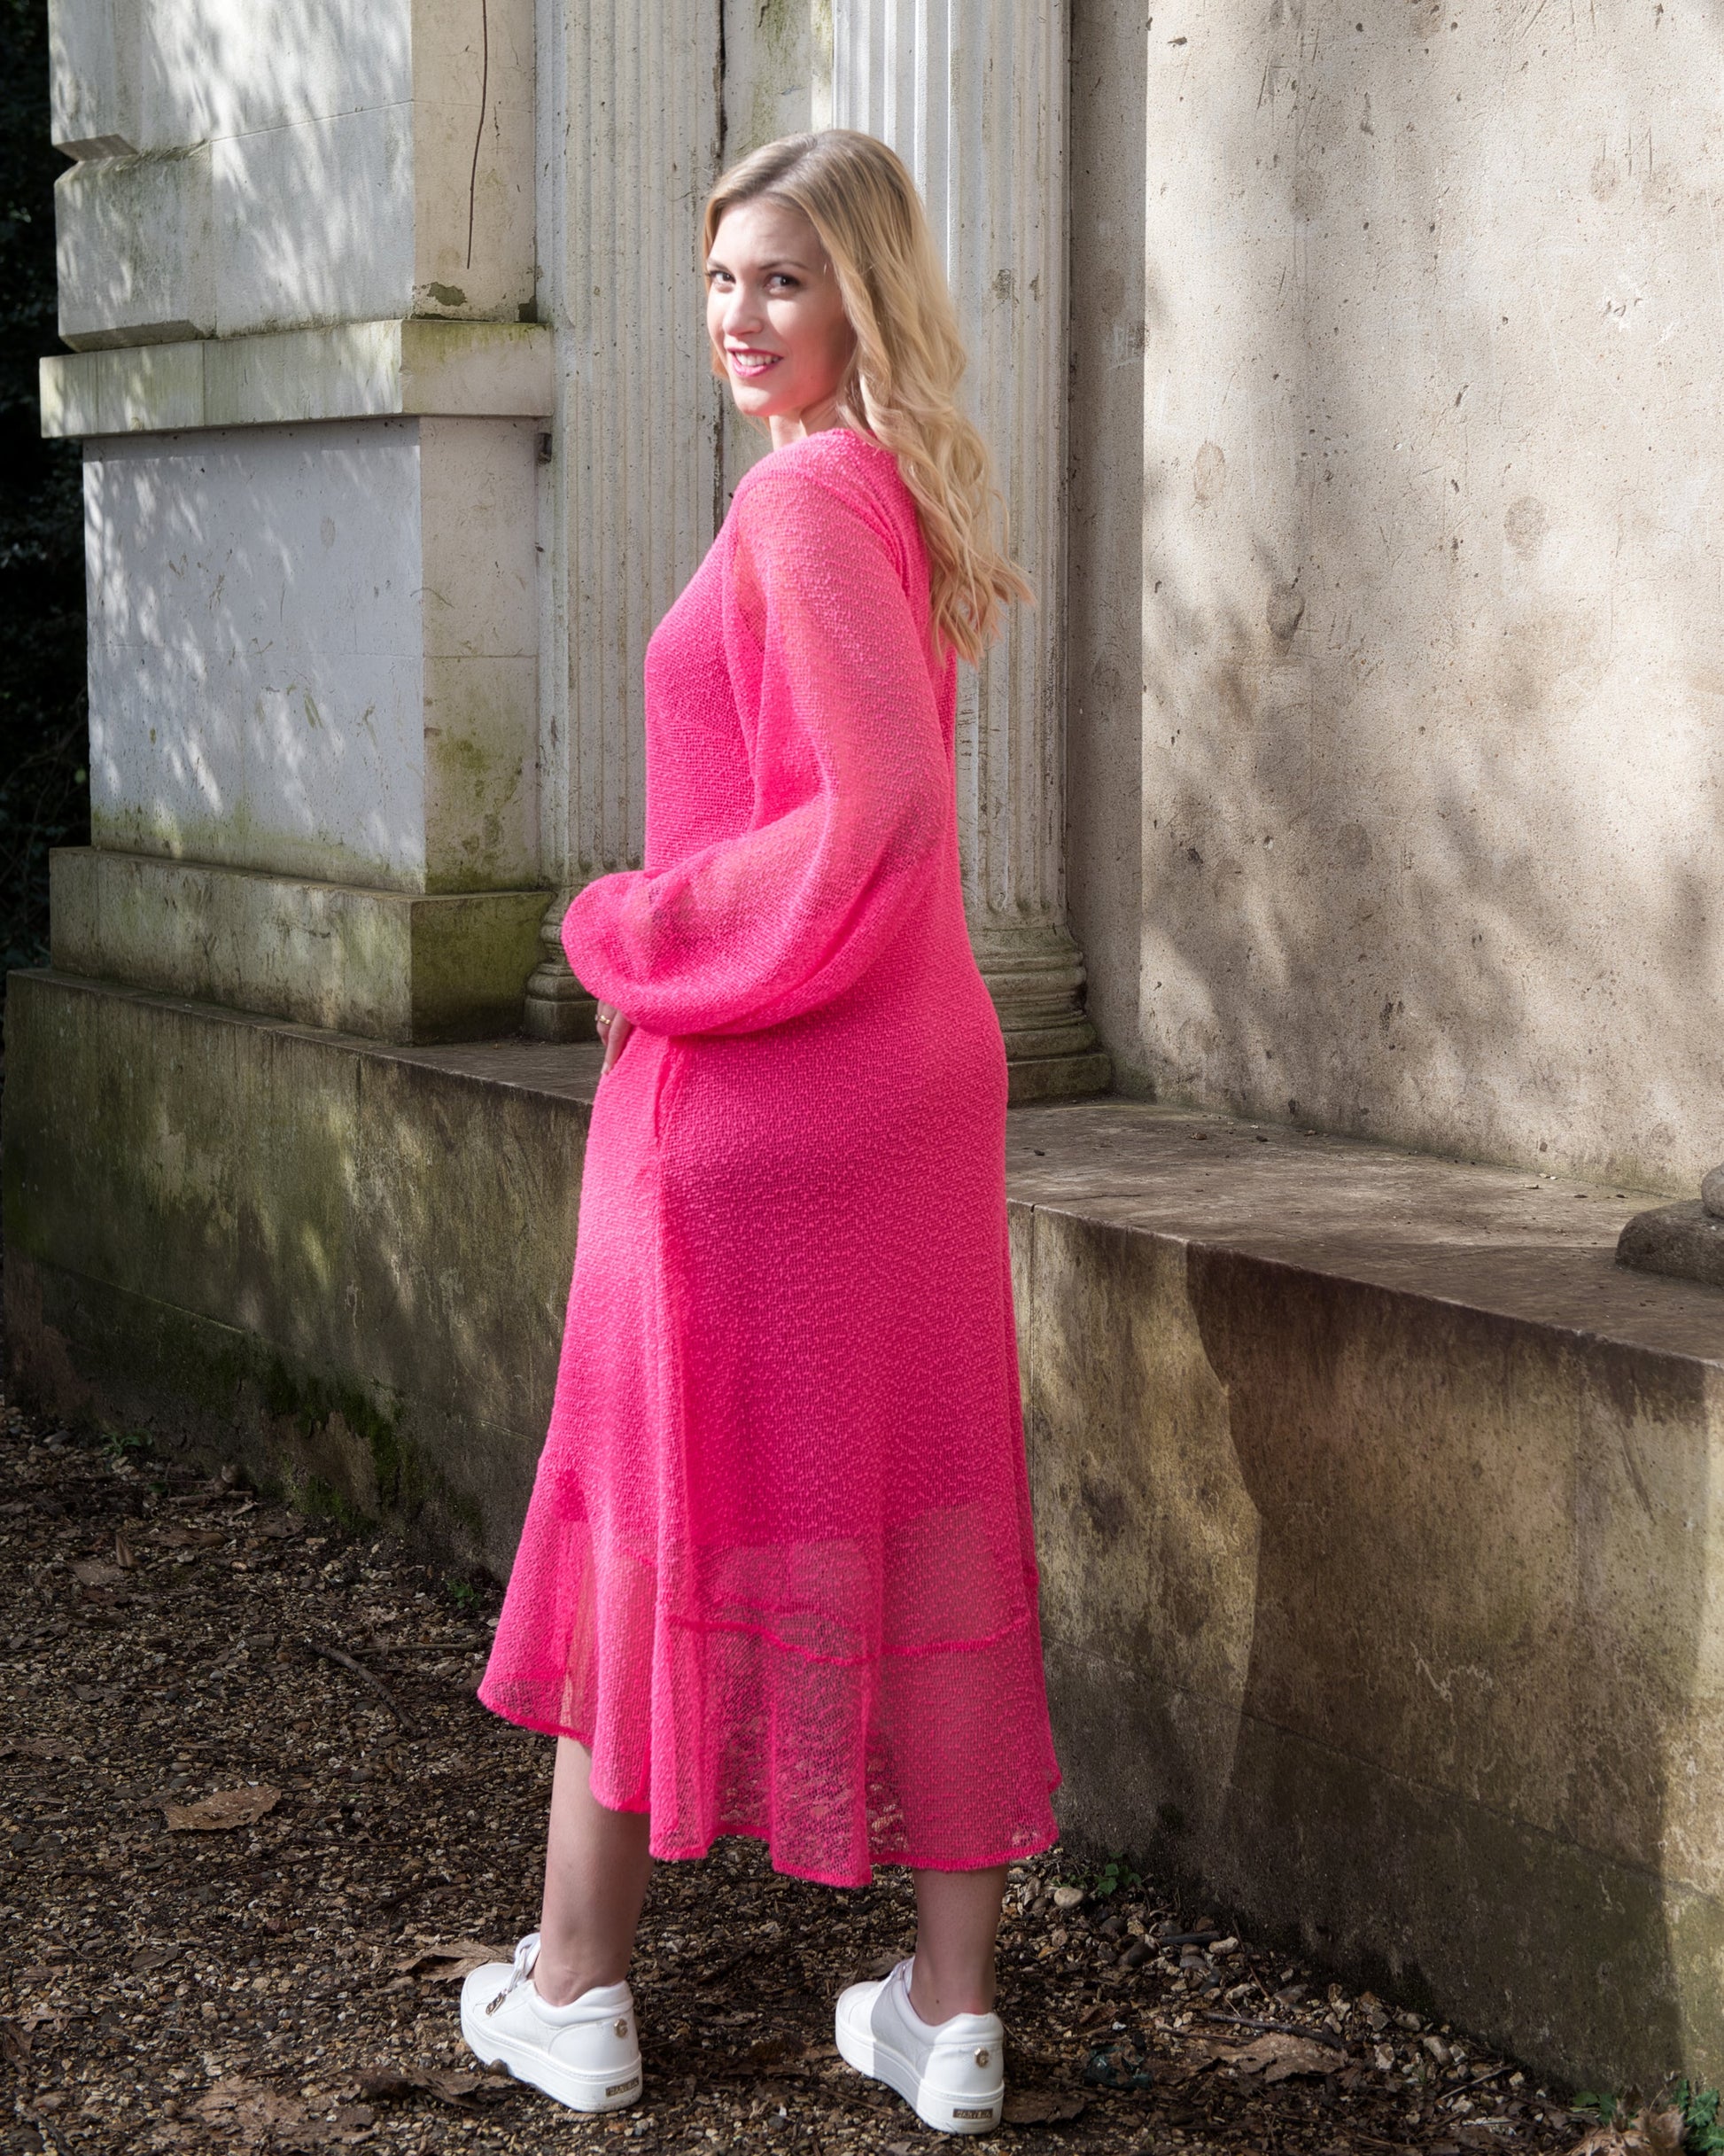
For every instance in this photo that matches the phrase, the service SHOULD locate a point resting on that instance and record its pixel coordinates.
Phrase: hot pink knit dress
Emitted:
(777, 1571)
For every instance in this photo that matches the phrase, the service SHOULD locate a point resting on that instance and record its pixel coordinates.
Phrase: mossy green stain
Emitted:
(312, 1404)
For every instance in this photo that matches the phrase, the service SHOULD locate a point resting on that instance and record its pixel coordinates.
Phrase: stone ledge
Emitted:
(387, 965)
(1377, 1508)
(354, 370)
(1537, 1250)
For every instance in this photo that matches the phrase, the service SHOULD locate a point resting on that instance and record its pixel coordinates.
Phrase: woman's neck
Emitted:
(795, 426)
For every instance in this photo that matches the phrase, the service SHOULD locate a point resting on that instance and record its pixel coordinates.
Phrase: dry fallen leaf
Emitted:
(1648, 2133)
(124, 1555)
(390, 2082)
(154, 1957)
(1279, 2058)
(94, 1572)
(226, 1807)
(250, 2103)
(1041, 2107)
(186, 1538)
(443, 1964)
(770, 2052)
(36, 1748)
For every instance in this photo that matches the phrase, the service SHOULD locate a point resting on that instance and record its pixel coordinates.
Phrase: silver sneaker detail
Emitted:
(951, 2076)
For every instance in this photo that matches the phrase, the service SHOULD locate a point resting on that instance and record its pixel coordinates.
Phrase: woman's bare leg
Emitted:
(596, 1868)
(956, 1924)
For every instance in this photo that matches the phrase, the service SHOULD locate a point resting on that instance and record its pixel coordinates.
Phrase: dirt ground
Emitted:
(278, 1969)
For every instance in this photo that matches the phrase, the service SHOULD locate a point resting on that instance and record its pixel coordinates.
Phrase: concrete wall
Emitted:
(1426, 544)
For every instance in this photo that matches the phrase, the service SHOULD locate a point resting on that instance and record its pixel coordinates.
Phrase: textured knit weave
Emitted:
(777, 1571)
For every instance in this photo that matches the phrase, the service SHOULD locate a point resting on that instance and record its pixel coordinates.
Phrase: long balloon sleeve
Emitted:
(851, 788)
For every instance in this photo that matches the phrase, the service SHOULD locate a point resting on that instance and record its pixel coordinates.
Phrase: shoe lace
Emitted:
(525, 1954)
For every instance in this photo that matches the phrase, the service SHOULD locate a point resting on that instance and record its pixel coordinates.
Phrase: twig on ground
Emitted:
(346, 1662)
(1280, 2028)
(1479, 2079)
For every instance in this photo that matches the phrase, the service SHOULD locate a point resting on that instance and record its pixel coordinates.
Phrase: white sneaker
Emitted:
(586, 2054)
(951, 2073)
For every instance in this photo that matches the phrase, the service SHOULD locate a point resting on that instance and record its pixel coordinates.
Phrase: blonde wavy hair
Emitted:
(901, 388)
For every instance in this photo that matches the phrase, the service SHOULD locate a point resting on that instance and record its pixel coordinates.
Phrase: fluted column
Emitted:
(630, 113)
(972, 94)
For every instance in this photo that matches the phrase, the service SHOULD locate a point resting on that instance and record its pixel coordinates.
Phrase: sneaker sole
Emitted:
(944, 2112)
(579, 2091)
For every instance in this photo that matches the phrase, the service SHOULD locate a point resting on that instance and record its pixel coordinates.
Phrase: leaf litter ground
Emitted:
(259, 1826)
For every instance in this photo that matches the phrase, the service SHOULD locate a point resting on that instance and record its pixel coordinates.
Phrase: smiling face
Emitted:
(776, 318)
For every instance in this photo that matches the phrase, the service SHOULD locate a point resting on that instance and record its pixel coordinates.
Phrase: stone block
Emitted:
(134, 242)
(314, 221)
(94, 66)
(386, 965)
(355, 163)
(120, 392)
(1385, 862)
(297, 665)
(1383, 1583)
(158, 74)
(349, 370)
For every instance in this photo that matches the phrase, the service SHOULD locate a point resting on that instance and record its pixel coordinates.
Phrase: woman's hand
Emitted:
(614, 1029)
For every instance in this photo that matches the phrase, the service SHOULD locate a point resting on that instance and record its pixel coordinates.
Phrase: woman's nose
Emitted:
(742, 312)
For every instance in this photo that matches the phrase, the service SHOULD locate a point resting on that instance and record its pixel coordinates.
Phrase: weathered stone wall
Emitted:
(341, 1266)
(1419, 516)
(251, 164)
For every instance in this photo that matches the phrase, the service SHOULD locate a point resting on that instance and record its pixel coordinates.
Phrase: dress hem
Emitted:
(738, 1829)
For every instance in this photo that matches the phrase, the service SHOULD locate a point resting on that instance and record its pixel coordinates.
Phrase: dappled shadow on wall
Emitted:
(1432, 777)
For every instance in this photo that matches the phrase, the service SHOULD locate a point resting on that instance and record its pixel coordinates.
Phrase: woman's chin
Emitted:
(756, 400)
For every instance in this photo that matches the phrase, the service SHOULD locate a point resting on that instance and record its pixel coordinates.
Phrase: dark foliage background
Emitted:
(44, 792)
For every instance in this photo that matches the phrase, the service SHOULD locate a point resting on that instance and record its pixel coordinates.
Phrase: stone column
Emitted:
(629, 111)
(973, 97)
(296, 265)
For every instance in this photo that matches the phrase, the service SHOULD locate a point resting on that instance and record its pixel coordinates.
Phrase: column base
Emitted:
(557, 1007)
(388, 965)
(1686, 1243)
(1034, 974)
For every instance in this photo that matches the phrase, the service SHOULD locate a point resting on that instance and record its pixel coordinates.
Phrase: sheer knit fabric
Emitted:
(777, 1571)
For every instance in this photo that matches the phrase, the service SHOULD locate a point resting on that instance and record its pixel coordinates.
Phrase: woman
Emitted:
(776, 1576)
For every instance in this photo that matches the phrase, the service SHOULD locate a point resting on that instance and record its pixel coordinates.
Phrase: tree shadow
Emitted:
(1430, 767)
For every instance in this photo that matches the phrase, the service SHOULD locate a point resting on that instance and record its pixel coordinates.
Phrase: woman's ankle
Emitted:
(561, 1981)
(935, 2004)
